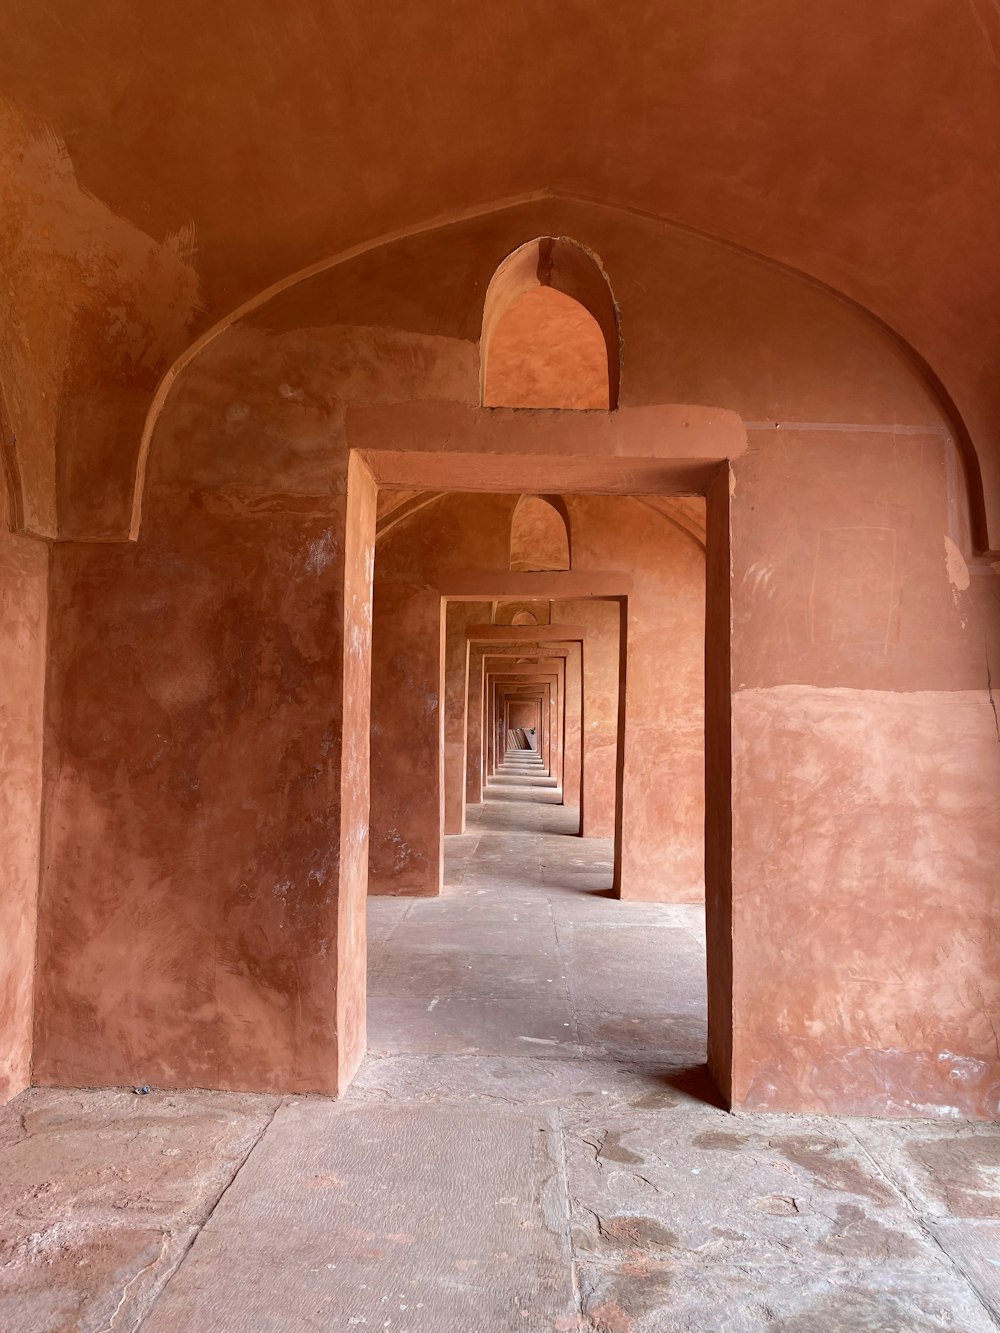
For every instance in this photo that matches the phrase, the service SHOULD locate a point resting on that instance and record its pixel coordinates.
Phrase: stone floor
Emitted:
(530, 1145)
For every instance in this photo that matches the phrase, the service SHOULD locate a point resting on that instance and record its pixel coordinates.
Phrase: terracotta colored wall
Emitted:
(406, 734)
(718, 781)
(23, 590)
(663, 775)
(458, 616)
(573, 727)
(599, 722)
(411, 571)
(172, 820)
(664, 804)
(202, 889)
(866, 766)
(522, 713)
(547, 351)
(885, 187)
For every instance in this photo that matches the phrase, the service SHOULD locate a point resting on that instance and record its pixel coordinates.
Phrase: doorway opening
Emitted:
(537, 823)
(537, 783)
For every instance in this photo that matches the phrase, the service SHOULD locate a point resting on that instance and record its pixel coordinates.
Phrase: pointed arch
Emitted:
(539, 534)
(551, 335)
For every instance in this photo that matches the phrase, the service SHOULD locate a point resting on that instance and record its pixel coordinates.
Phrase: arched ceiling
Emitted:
(247, 139)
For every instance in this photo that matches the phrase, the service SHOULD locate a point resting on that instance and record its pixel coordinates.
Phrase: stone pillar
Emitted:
(407, 796)
(863, 791)
(226, 805)
(455, 692)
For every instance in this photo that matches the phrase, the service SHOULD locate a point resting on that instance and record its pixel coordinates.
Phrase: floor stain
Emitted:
(638, 1232)
(825, 1162)
(964, 1172)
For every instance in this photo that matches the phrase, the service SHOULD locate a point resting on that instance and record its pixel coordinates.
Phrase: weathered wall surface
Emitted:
(202, 888)
(886, 188)
(599, 620)
(92, 313)
(456, 685)
(213, 643)
(23, 594)
(412, 569)
(866, 767)
(664, 773)
(195, 831)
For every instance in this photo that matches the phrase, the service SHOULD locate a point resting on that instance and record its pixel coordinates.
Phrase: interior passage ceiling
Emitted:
(855, 137)
(857, 142)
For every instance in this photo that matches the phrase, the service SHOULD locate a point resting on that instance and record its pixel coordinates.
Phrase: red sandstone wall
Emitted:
(189, 922)
(23, 579)
(599, 721)
(412, 568)
(664, 803)
(458, 616)
(866, 767)
(194, 705)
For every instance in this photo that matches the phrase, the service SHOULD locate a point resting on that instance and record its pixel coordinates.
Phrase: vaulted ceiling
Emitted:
(239, 141)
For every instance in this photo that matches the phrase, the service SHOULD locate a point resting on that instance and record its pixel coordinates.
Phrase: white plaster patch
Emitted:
(758, 578)
(321, 553)
(954, 563)
(292, 394)
(963, 1067)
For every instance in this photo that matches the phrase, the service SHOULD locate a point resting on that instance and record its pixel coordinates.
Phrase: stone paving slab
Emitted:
(641, 1295)
(650, 1038)
(713, 1188)
(946, 1168)
(73, 1276)
(596, 907)
(781, 1222)
(108, 1156)
(570, 1083)
(511, 934)
(468, 973)
(500, 1027)
(101, 1193)
(384, 915)
(396, 1217)
(974, 1246)
(634, 970)
(478, 901)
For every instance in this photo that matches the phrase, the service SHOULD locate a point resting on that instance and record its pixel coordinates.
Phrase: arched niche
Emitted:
(524, 618)
(539, 534)
(550, 333)
(504, 612)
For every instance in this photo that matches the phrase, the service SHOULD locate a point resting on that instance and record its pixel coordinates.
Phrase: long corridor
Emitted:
(527, 954)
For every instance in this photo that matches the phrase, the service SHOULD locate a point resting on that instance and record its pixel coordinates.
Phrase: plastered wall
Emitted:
(198, 716)
(866, 766)
(23, 592)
